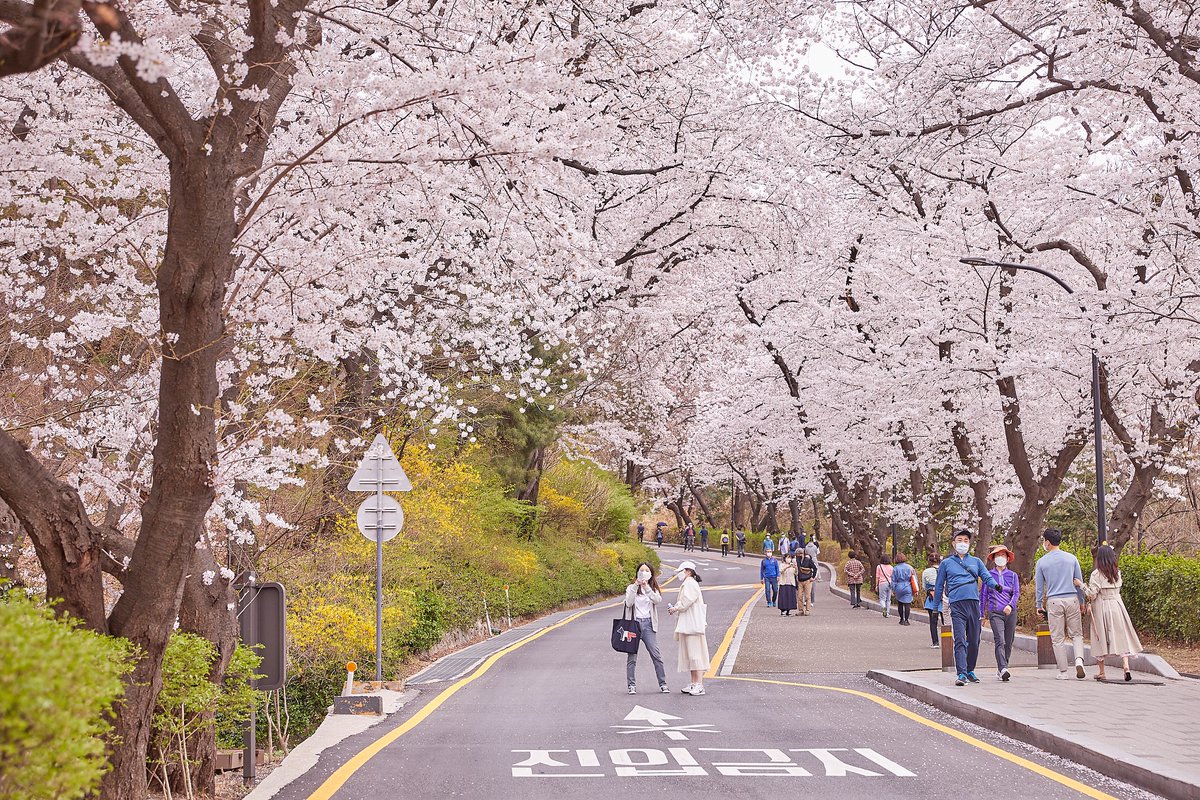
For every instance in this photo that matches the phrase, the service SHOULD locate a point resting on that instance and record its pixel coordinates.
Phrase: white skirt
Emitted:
(693, 651)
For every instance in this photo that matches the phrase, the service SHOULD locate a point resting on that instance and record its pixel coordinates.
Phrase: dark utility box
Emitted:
(369, 704)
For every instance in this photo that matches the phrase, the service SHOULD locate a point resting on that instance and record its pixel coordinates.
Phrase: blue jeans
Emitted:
(964, 621)
(771, 587)
(650, 643)
(885, 597)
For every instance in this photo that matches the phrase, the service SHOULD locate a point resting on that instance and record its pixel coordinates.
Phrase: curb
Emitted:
(1142, 662)
(1113, 763)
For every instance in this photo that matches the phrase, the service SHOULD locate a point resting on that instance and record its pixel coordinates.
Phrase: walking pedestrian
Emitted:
(658, 534)
(724, 543)
(767, 543)
(1060, 600)
(1113, 633)
(806, 576)
(959, 575)
(933, 604)
(692, 619)
(643, 597)
(703, 539)
(999, 606)
(793, 544)
(883, 583)
(641, 530)
(787, 586)
(740, 536)
(814, 552)
(903, 578)
(768, 573)
(855, 571)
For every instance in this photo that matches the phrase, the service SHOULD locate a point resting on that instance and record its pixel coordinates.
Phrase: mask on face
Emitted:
(643, 575)
(1001, 561)
(962, 547)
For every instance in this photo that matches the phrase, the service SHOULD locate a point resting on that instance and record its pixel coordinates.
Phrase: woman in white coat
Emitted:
(691, 620)
(642, 598)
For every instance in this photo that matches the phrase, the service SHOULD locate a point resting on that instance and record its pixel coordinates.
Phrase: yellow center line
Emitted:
(1045, 772)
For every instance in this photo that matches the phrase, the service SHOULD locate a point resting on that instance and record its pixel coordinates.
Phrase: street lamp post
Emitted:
(1101, 513)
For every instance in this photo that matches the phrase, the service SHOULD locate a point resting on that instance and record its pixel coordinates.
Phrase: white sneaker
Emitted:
(632, 690)
(1005, 674)
(1063, 676)
(694, 691)
(688, 689)
(663, 689)
(1079, 672)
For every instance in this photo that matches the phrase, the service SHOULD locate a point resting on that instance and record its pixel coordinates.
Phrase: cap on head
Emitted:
(963, 532)
(686, 565)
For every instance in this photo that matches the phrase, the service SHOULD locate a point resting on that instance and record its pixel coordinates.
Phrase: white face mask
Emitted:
(1001, 561)
(643, 575)
(962, 547)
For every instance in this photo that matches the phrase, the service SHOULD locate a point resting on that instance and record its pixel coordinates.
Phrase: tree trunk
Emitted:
(196, 268)
(708, 517)
(770, 520)
(1039, 490)
(537, 462)
(797, 525)
(816, 519)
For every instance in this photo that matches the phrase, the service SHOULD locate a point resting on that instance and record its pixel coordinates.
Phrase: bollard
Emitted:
(1045, 648)
(348, 689)
(508, 606)
(947, 639)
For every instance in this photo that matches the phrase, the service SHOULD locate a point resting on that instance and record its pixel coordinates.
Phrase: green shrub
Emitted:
(1162, 594)
(189, 702)
(58, 683)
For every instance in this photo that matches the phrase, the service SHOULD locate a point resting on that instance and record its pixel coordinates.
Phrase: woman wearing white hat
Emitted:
(691, 620)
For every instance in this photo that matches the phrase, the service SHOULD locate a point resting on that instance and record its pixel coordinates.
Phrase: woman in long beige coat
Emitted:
(1112, 629)
(691, 620)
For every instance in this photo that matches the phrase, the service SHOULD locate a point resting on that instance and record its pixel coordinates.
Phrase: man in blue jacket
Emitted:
(958, 576)
(768, 573)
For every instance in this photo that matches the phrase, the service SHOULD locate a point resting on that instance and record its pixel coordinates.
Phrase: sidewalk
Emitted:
(1142, 733)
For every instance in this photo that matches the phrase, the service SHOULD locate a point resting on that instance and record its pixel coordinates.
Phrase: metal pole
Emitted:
(1101, 512)
(379, 568)
(893, 543)
(250, 746)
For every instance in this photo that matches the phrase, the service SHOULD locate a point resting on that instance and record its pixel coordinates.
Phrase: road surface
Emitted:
(550, 718)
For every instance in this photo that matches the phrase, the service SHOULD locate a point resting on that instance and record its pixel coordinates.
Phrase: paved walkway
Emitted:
(1143, 733)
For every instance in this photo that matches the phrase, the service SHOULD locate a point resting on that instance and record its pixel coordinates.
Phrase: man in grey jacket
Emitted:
(1059, 600)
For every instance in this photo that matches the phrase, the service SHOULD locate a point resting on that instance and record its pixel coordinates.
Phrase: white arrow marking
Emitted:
(658, 724)
(641, 714)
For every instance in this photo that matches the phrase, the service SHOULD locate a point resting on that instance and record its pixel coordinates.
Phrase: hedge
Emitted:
(1162, 594)
(58, 683)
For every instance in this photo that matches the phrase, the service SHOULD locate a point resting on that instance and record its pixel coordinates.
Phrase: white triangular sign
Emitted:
(380, 467)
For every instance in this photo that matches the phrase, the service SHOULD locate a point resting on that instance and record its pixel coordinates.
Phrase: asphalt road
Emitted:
(551, 719)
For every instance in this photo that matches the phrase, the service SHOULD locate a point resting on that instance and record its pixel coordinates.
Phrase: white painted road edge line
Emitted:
(736, 644)
(415, 679)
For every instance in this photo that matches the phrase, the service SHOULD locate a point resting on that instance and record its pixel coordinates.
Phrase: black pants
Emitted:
(855, 595)
(935, 626)
(905, 608)
(724, 550)
(741, 549)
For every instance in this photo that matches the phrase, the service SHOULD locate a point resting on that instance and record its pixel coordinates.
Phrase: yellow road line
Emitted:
(715, 663)
(1045, 772)
(343, 773)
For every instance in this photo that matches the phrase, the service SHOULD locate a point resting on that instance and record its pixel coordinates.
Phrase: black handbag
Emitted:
(626, 633)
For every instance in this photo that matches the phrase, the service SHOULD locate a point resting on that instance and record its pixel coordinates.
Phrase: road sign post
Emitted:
(380, 517)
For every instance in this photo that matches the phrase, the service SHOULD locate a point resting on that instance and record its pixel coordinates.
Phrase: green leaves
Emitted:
(58, 683)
